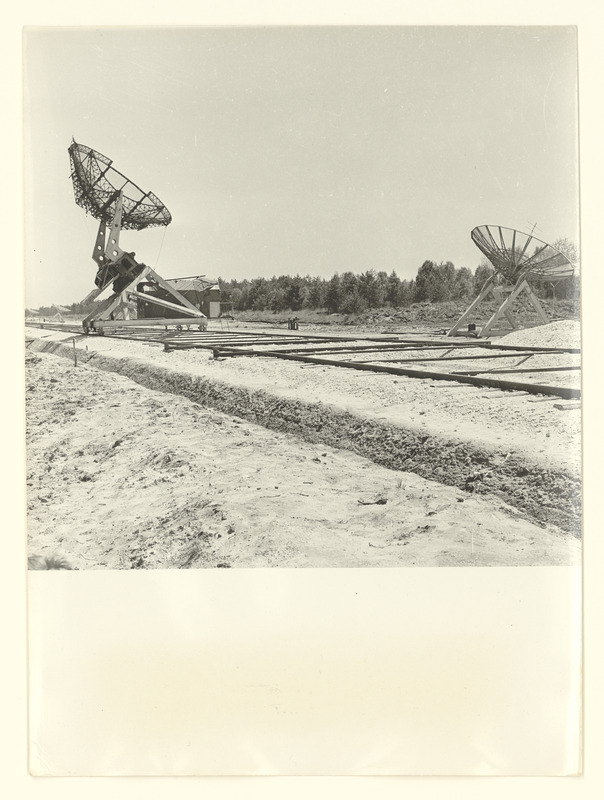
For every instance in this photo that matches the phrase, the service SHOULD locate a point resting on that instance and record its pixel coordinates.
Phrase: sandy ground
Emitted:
(121, 476)
(529, 426)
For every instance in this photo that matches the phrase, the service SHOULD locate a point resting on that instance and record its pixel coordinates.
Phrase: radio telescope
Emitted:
(118, 203)
(97, 185)
(519, 259)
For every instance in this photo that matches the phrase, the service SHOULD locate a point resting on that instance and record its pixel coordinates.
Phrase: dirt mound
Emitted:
(564, 333)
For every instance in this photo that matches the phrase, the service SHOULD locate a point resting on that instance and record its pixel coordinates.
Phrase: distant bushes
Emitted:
(350, 293)
(344, 293)
(75, 309)
(347, 293)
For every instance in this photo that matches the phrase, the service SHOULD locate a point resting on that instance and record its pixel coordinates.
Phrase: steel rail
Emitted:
(187, 341)
(387, 339)
(410, 345)
(211, 344)
(214, 341)
(516, 370)
(506, 385)
(387, 346)
(475, 357)
(495, 346)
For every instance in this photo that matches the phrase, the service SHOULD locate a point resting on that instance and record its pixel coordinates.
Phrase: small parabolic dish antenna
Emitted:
(515, 254)
(97, 186)
(120, 204)
(519, 260)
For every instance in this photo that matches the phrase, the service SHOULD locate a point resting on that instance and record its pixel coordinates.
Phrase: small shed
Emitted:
(202, 292)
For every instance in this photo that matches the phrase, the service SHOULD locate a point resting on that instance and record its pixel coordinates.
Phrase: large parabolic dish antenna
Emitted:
(97, 186)
(515, 254)
(119, 203)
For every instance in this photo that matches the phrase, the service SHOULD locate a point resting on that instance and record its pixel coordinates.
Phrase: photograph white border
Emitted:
(590, 61)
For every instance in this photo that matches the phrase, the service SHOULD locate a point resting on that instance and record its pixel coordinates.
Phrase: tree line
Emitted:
(350, 293)
(347, 293)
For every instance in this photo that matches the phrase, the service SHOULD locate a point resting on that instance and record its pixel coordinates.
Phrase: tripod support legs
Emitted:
(505, 296)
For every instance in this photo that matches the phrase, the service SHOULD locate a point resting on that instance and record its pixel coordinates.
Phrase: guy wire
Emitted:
(161, 244)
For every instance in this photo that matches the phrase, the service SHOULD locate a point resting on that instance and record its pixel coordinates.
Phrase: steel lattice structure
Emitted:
(97, 186)
(519, 260)
(515, 254)
(120, 204)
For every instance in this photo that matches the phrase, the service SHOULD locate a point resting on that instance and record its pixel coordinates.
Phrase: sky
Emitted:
(299, 150)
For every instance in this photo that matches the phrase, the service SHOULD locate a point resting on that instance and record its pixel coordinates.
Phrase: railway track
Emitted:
(475, 362)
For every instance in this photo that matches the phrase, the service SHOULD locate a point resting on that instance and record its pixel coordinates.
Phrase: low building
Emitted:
(202, 292)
